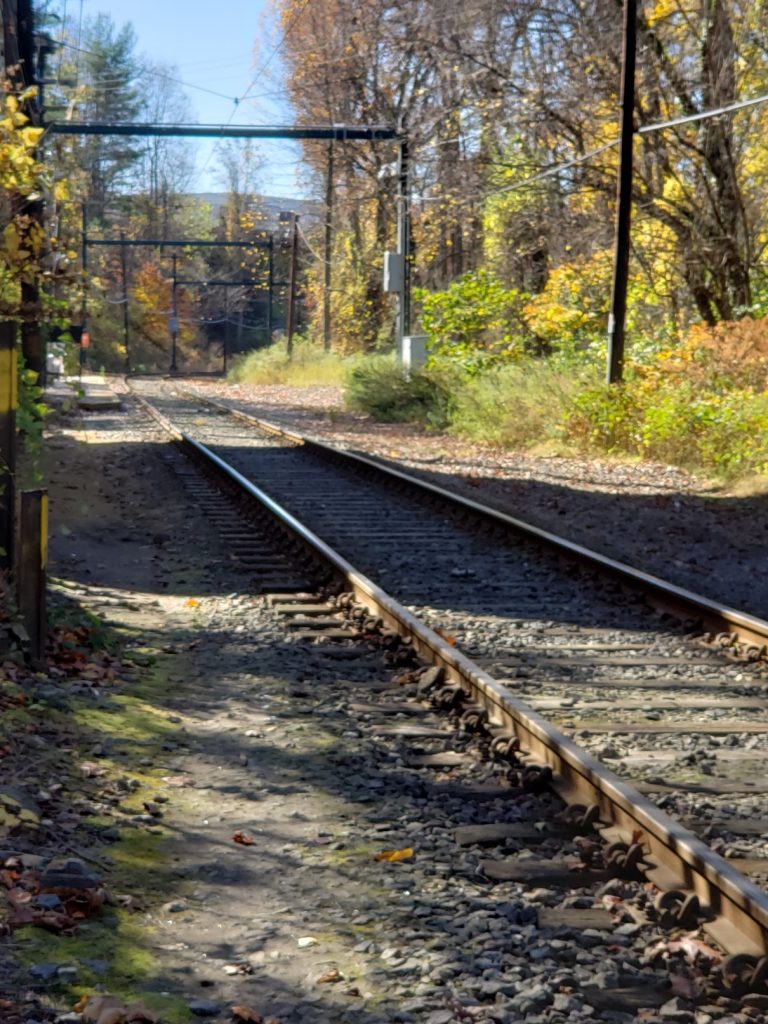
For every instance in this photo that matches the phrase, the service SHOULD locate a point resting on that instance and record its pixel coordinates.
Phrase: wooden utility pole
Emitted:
(618, 312)
(31, 569)
(8, 377)
(270, 285)
(328, 251)
(291, 318)
(173, 323)
(126, 339)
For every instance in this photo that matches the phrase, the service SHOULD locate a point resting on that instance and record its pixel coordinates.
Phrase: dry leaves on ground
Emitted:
(394, 855)
(243, 839)
(106, 1009)
(246, 1014)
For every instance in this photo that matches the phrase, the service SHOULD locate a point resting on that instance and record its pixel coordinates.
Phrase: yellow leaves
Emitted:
(391, 856)
(11, 240)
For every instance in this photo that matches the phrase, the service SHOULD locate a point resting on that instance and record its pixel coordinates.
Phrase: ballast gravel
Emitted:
(709, 538)
(259, 739)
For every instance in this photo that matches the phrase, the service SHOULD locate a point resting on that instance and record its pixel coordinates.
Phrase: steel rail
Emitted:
(668, 597)
(675, 857)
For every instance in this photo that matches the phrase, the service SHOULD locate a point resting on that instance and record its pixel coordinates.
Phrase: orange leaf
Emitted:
(450, 640)
(393, 855)
(191, 602)
(246, 1013)
(243, 839)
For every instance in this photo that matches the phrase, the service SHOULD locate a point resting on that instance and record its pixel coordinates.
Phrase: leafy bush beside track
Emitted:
(702, 406)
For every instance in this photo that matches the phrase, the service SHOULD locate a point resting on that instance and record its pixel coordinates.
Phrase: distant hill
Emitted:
(309, 210)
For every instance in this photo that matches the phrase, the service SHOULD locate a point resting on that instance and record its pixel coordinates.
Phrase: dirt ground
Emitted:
(705, 537)
(206, 785)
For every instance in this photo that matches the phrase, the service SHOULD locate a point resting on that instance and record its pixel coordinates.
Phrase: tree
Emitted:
(109, 92)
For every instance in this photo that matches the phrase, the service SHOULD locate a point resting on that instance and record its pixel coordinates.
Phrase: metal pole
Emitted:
(8, 400)
(618, 312)
(403, 244)
(174, 319)
(270, 285)
(31, 569)
(126, 339)
(328, 251)
(292, 284)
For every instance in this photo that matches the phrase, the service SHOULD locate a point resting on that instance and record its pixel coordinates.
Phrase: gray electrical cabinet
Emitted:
(394, 272)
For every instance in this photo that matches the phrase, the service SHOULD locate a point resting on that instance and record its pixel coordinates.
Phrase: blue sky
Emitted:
(226, 47)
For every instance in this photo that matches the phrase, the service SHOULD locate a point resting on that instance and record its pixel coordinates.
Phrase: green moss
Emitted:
(128, 719)
(116, 937)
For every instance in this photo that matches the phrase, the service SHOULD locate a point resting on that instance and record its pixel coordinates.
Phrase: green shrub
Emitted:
(310, 365)
(605, 417)
(475, 322)
(388, 393)
(518, 406)
(721, 431)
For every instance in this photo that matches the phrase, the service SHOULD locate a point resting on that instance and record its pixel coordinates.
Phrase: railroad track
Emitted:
(515, 633)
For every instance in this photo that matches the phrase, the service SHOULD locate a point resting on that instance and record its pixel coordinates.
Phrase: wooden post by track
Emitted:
(8, 384)
(31, 566)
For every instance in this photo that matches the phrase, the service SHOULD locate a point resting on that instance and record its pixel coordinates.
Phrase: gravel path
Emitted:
(658, 518)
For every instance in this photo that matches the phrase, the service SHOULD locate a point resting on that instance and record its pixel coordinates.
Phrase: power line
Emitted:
(142, 69)
(703, 116)
(275, 50)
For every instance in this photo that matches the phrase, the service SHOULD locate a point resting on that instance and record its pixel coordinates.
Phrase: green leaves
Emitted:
(475, 321)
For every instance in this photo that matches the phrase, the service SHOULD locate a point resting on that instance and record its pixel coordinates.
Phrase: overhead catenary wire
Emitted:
(649, 129)
(145, 70)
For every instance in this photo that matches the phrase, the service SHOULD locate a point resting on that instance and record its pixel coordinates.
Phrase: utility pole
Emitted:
(8, 378)
(173, 323)
(270, 284)
(126, 339)
(618, 313)
(291, 319)
(84, 316)
(328, 251)
(403, 243)
(225, 346)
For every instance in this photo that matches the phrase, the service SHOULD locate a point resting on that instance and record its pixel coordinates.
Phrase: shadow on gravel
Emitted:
(153, 865)
(679, 537)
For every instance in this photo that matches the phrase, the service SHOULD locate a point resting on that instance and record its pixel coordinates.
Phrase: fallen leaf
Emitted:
(192, 602)
(305, 941)
(128, 902)
(179, 781)
(106, 1009)
(329, 976)
(394, 855)
(243, 839)
(246, 1013)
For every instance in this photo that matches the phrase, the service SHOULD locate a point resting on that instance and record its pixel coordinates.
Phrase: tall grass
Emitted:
(520, 405)
(310, 365)
(680, 415)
